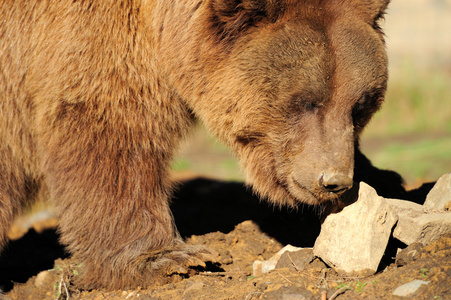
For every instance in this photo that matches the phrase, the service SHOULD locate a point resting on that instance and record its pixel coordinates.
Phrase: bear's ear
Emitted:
(376, 7)
(231, 18)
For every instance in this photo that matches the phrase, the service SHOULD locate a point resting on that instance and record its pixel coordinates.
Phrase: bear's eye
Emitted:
(358, 115)
(367, 105)
(305, 102)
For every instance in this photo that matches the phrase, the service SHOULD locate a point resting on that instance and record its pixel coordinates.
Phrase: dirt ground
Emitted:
(228, 219)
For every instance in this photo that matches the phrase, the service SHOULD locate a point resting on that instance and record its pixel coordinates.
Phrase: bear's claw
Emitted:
(179, 259)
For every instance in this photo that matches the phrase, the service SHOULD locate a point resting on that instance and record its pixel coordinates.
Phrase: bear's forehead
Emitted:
(360, 57)
(347, 52)
(317, 57)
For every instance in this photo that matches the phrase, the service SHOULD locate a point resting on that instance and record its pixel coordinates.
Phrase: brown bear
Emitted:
(95, 96)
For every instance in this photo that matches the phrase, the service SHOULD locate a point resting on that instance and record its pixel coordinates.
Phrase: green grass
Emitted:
(209, 158)
(181, 164)
(423, 160)
(418, 105)
(416, 101)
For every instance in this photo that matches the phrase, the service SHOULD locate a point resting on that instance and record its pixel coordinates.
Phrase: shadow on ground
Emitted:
(199, 206)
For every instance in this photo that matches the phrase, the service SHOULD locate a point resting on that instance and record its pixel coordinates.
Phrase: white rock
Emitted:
(355, 239)
(264, 266)
(409, 288)
(440, 195)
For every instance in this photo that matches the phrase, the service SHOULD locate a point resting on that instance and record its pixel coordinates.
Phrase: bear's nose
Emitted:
(335, 182)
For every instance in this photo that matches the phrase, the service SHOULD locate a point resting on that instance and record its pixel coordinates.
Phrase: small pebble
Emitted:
(409, 288)
(40, 278)
(196, 286)
(289, 293)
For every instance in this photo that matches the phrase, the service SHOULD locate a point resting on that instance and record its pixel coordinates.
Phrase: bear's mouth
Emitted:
(314, 197)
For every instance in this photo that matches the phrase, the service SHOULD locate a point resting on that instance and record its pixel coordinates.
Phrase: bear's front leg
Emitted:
(107, 177)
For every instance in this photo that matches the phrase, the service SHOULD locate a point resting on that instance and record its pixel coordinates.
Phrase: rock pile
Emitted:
(354, 240)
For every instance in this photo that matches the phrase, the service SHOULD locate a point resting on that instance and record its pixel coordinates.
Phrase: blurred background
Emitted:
(412, 133)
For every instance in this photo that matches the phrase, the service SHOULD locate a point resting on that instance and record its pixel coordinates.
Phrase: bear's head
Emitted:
(290, 86)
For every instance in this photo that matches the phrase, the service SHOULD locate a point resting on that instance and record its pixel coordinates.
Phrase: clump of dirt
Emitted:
(226, 218)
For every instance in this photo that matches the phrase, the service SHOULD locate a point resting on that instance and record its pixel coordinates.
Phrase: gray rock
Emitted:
(418, 224)
(355, 239)
(409, 288)
(403, 205)
(440, 195)
(289, 293)
(414, 227)
(297, 260)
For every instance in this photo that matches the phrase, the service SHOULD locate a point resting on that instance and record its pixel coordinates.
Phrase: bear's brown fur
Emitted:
(96, 95)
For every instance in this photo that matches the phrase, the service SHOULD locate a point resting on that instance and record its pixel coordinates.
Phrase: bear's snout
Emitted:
(335, 182)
